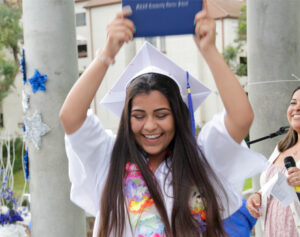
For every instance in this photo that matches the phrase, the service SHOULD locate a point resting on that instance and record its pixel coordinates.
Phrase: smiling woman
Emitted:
(152, 123)
(277, 219)
(155, 178)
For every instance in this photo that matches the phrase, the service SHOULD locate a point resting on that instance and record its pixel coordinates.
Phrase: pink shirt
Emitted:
(279, 221)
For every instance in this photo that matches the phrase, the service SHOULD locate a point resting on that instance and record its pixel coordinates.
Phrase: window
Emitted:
(82, 51)
(242, 69)
(80, 19)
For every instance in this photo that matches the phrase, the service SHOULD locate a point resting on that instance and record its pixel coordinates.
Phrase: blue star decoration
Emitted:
(38, 81)
(35, 128)
(23, 67)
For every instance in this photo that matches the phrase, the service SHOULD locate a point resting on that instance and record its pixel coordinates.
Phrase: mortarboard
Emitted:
(149, 59)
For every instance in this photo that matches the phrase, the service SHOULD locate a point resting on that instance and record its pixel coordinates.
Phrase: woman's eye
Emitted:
(160, 116)
(136, 116)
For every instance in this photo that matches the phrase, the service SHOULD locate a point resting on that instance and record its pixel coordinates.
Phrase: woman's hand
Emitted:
(79, 99)
(294, 176)
(253, 204)
(119, 31)
(205, 30)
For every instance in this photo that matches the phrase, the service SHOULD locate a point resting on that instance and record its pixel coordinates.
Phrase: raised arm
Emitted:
(74, 109)
(239, 112)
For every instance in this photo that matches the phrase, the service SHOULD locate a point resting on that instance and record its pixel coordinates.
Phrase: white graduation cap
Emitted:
(149, 59)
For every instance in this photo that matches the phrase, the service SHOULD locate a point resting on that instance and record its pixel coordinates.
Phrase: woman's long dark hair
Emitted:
(291, 137)
(189, 168)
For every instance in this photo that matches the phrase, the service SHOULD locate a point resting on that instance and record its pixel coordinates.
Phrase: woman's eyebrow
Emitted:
(156, 110)
(160, 109)
(137, 110)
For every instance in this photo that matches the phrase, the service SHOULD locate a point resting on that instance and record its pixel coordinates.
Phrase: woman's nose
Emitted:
(150, 124)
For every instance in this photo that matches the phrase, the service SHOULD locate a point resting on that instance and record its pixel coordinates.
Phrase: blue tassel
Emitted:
(190, 103)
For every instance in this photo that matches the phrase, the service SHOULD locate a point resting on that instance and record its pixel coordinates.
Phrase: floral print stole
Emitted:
(143, 215)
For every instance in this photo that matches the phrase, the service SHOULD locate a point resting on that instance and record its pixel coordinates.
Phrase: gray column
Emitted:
(273, 56)
(50, 44)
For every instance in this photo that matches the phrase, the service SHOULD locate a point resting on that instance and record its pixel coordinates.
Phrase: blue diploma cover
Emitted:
(163, 17)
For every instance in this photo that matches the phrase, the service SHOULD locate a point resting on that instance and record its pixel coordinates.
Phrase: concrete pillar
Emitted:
(50, 44)
(273, 56)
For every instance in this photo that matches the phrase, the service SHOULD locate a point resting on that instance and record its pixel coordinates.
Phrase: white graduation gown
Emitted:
(89, 150)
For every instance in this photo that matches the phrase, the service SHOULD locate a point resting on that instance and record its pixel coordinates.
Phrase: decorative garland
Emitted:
(26, 164)
(23, 67)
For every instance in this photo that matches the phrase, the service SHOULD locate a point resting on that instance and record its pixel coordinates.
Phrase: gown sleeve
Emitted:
(88, 150)
(231, 162)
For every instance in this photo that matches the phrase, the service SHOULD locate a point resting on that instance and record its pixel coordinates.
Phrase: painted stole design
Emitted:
(144, 217)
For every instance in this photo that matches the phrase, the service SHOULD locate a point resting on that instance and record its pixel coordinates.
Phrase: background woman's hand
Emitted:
(294, 176)
(205, 30)
(253, 204)
(119, 31)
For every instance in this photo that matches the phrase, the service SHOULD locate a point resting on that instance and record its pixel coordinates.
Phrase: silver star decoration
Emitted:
(34, 129)
(25, 101)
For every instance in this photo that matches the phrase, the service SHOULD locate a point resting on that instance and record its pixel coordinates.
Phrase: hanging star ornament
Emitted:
(25, 101)
(35, 128)
(38, 81)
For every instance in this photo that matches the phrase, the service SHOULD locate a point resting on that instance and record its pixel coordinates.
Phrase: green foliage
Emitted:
(242, 69)
(8, 70)
(242, 27)
(10, 37)
(19, 183)
(15, 147)
(11, 32)
(231, 52)
(247, 184)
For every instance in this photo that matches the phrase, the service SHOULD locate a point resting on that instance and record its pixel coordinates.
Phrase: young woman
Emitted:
(279, 220)
(154, 178)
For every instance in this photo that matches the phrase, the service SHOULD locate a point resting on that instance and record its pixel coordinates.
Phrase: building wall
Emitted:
(83, 31)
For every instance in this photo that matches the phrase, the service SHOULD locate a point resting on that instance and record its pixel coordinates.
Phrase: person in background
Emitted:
(279, 220)
(154, 178)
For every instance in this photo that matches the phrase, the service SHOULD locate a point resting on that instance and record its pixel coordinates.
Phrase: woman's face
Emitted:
(152, 123)
(293, 112)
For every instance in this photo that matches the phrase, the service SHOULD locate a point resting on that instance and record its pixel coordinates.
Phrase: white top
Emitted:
(89, 150)
(295, 205)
